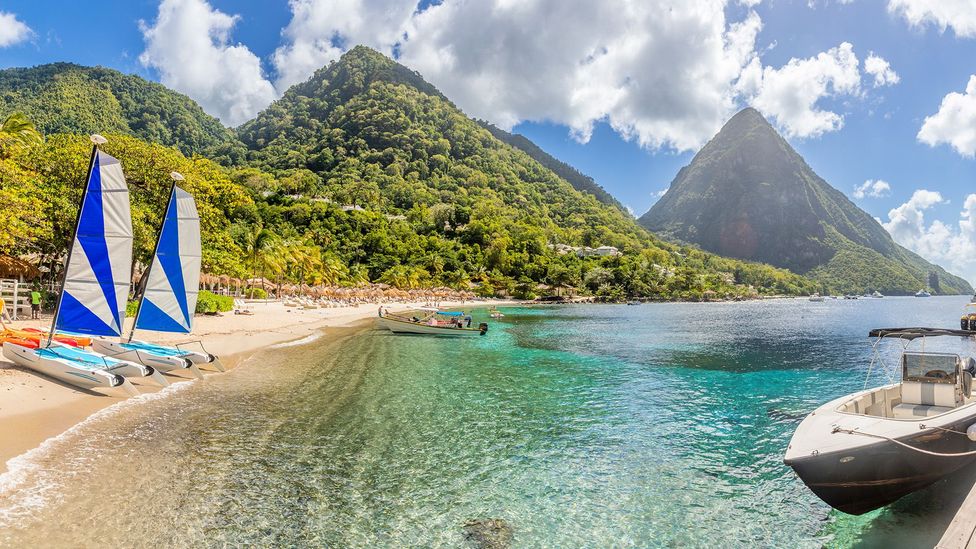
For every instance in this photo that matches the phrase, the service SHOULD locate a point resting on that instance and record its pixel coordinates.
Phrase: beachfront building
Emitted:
(586, 251)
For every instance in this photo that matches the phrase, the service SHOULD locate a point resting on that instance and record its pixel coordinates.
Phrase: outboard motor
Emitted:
(964, 323)
(483, 328)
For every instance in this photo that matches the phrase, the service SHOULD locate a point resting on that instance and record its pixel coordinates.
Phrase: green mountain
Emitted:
(365, 172)
(68, 98)
(444, 197)
(748, 194)
(579, 181)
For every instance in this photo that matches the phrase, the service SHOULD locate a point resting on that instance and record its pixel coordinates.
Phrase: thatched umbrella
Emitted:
(12, 267)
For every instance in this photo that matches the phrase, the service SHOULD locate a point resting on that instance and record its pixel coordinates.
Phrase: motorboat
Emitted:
(922, 293)
(817, 298)
(850, 296)
(495, 313)
(633, 302)
(877, 294)
(169, 296)
(429, 321)
(867, 449)
(95, 286)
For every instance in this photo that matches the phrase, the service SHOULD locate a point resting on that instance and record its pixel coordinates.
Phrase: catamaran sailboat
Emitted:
(431, 322)
(94, 289)
(170, 297)
(867, 449)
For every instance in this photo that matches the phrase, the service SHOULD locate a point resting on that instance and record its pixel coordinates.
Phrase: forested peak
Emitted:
(353, 73)
(70, 98)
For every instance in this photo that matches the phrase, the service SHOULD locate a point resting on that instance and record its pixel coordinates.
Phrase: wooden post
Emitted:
(16, 301)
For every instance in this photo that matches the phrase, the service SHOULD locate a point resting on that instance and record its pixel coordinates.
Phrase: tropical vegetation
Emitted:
(364, 173)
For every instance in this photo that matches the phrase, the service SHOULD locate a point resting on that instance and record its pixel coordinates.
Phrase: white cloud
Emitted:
(189, 43)
(952, 247)
(881, 70)
(590, 62)
(320, 30)
(874, 188)
(959, 15)
(790, 93)
(12, 30)
(954, 123)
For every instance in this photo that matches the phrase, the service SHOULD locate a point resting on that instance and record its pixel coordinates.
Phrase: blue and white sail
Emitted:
(170, 297)
(96, 283)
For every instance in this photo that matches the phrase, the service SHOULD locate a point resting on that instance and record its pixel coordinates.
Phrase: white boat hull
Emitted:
(161, 362)
(407, 327)
(62, 369)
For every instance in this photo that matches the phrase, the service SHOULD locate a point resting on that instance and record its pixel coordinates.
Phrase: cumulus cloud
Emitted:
(954, 123)
(874, 188)
(13, 30)
(320, 30)
(953, 247)
(881, 70)
(959, 15)
(189, 44)
(789, 94)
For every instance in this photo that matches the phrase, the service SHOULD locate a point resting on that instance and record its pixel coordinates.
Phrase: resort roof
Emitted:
(914, 333)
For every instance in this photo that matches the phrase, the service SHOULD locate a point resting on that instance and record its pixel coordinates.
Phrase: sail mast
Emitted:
(177, 177)
(96, 141)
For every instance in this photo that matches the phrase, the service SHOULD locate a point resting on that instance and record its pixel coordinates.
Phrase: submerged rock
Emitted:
(488, 533)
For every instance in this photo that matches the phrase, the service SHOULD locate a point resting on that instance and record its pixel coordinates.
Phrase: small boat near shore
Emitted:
(431, 322)
(865, 450)
(922, 293)
(816, 298)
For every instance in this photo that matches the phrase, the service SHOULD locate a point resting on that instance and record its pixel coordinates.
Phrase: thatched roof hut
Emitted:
(12, 267)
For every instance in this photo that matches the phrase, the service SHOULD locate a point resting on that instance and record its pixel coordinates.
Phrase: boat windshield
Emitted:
(929, 367)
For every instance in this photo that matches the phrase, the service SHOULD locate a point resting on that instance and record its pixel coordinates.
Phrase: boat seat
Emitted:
(913, 411)
(929, 394)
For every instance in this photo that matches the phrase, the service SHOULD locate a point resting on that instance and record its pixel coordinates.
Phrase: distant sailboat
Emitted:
(170, 297)
(94, 289)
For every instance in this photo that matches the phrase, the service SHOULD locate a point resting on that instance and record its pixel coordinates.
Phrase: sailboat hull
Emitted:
(153, 357)
(60, 368)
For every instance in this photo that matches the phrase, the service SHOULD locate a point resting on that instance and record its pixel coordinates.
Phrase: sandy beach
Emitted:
(34, 408)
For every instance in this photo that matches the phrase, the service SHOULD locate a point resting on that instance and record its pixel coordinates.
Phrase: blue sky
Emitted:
(671, 78)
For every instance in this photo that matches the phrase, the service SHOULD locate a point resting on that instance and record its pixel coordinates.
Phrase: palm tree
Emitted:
(259, 244)
(17, 132)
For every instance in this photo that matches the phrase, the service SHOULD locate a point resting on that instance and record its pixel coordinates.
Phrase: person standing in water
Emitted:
(35, 296)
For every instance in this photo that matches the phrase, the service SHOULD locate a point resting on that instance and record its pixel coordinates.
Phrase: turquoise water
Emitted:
(581, 426)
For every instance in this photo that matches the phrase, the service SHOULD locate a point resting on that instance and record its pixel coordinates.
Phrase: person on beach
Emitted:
(35, 296)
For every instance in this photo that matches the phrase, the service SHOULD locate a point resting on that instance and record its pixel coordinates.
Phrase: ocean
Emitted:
(659, 425)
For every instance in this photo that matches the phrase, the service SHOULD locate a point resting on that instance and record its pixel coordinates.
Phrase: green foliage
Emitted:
(363, 173)
(748, 194)
(131, 308)
(67, 98)
(256, 293)
(208, 302)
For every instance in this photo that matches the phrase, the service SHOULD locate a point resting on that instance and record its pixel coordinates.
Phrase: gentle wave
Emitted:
(303, 341)
(30, 482)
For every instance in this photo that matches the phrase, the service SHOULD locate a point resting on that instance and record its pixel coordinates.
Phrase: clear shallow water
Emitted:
(593, 426)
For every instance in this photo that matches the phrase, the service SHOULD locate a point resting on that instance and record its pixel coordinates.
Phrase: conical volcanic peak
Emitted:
(749, 194)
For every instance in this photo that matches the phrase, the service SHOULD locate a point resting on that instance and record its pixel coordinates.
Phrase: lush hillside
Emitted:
(68, 98)
(442, 196)
(748, 194)
(579, 181)
(363, 173)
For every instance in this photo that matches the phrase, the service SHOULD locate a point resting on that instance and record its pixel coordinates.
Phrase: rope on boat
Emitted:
(900, 443)
(922, 426)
